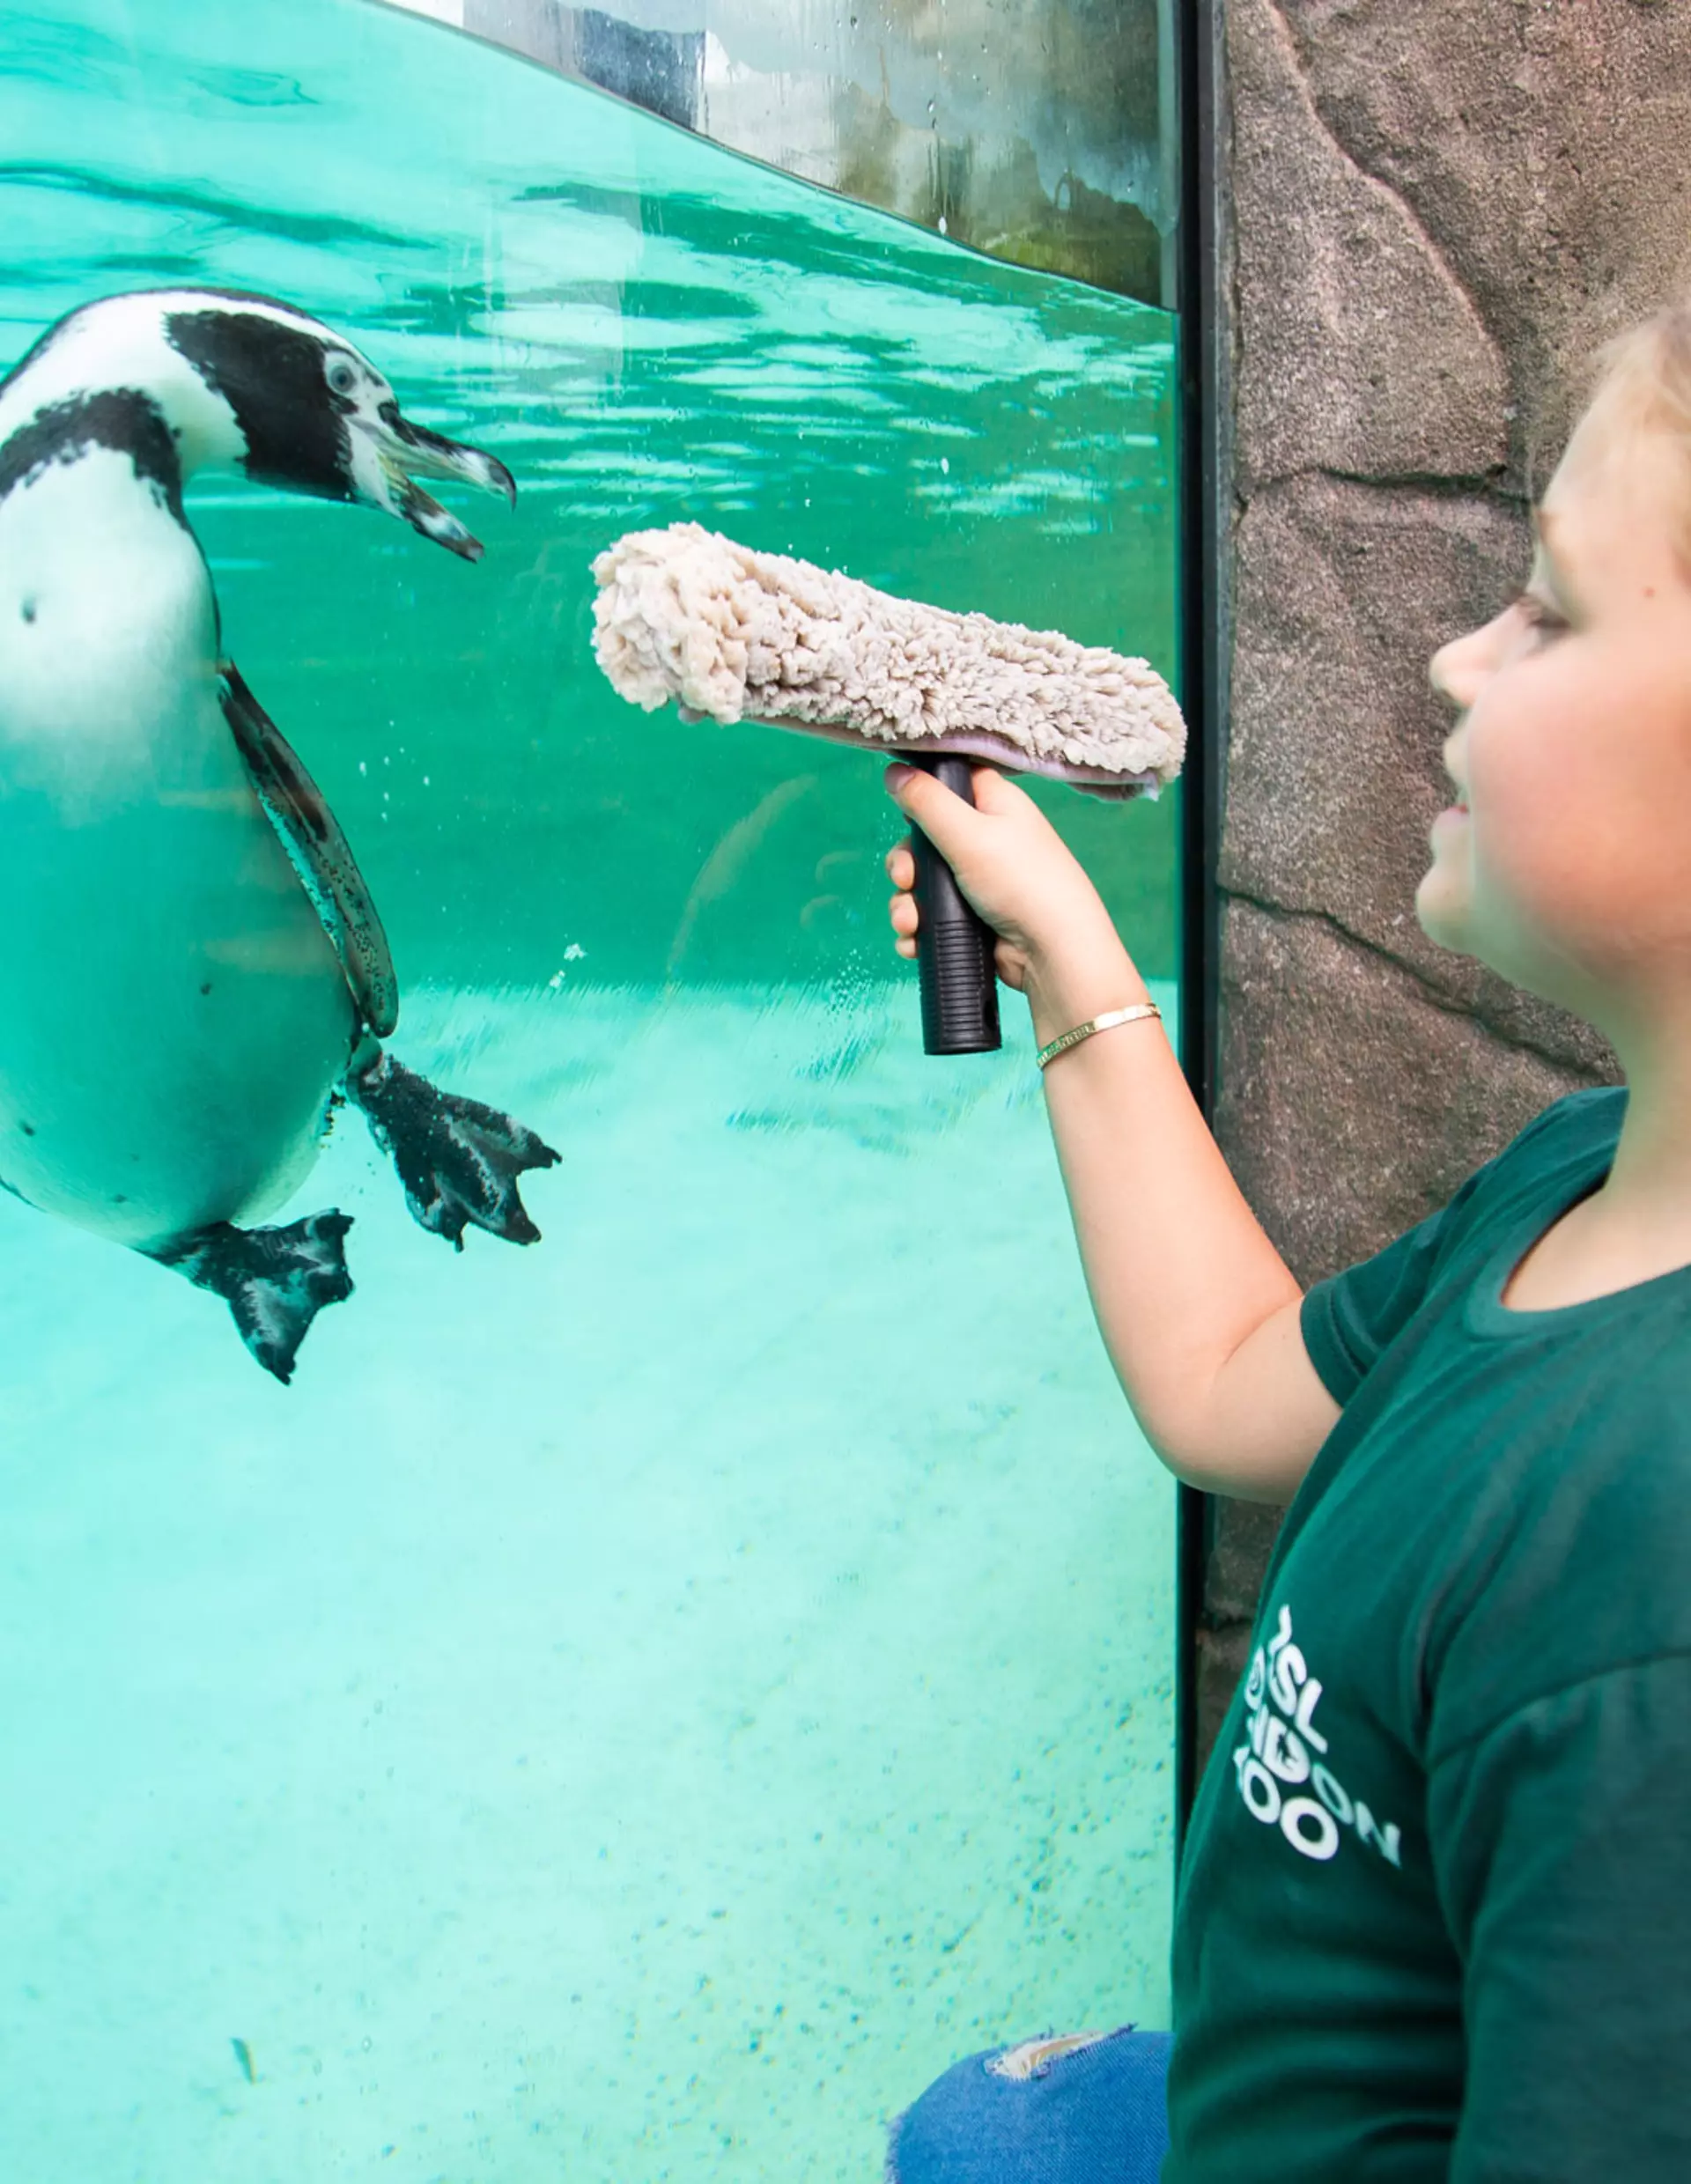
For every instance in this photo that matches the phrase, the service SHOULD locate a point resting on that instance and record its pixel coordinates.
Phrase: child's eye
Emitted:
(1539, 615)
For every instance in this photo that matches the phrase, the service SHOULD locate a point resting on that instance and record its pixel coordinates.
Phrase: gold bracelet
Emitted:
(1106, 1022)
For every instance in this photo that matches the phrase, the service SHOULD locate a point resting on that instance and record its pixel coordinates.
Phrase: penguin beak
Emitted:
(405, 451)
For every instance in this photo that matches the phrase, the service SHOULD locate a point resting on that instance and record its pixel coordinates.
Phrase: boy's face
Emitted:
(1565, 863)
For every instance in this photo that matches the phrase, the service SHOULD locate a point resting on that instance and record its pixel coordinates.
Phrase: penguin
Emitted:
(193, 973)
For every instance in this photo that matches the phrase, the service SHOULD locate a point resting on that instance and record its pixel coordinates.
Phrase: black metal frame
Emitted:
(1203, 686)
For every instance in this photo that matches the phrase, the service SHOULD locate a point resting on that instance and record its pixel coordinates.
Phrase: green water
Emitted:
(638, 1707)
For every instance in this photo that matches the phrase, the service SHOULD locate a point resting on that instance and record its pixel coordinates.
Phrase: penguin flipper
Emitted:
(274, 1280)
(458, 1160)
(318, 850)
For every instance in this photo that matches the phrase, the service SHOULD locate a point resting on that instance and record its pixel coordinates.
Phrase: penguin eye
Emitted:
(342, 376)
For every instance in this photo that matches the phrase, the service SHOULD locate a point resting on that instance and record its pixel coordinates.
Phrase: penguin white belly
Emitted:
(172, 1016)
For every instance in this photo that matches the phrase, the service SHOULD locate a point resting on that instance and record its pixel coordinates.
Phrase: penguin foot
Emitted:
(458, 1160)
(274, 1280)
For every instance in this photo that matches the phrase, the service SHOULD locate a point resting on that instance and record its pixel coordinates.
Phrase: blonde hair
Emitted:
(1646, 370)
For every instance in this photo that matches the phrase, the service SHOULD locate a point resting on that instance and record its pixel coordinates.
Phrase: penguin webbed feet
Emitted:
(458, 1159)
(274, 1280)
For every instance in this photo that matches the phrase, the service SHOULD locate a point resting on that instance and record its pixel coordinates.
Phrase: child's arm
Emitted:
(1198, 1311)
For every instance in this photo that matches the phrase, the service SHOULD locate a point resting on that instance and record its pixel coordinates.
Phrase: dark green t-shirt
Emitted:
(1435, 1915)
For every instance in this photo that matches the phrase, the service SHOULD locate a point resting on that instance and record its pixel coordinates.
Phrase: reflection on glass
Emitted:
(1043, 132)
(644, 1704)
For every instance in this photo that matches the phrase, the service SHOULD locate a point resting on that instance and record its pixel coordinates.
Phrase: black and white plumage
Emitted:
(192, 967)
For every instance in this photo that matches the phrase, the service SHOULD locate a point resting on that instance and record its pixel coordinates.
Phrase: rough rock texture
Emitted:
(1341, 589)
(1353, 1101)
(1540, 149)
(1430, 216)
(1379, 361)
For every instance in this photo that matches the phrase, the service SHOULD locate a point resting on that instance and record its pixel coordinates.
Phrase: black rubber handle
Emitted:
(954, 948)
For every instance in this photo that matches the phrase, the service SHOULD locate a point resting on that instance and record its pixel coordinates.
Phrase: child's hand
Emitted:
(1056, 943)
(1200, 1312)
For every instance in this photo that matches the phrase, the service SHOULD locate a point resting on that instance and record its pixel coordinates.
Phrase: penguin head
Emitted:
(248, 380)
(316, 415)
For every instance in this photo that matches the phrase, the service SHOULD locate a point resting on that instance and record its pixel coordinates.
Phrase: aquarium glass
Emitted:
(639, 1706)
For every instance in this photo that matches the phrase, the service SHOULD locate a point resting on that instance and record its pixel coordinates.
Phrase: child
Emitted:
(1435, 1909)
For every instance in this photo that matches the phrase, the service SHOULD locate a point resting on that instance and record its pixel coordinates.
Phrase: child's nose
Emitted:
(1458, 669)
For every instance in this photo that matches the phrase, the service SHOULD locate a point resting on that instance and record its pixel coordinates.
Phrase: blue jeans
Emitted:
(1086, 2109)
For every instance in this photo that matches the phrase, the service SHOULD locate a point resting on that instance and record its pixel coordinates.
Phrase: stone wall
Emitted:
(1430, 213)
